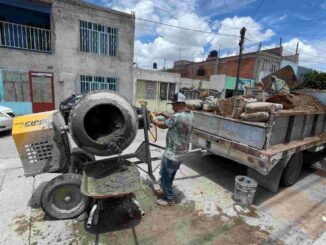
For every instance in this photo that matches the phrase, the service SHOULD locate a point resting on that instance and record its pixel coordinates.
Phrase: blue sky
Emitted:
(218, 24)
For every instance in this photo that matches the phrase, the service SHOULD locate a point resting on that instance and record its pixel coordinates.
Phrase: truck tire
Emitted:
(62, 199)
(103, 123)
(292, 170)
(78, 158)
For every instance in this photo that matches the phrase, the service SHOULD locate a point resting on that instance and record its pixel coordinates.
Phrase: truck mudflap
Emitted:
(262, 161)
(270, 181)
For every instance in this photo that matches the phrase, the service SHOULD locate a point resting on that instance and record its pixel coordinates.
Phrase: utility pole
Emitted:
(242, 35)
(296, 53)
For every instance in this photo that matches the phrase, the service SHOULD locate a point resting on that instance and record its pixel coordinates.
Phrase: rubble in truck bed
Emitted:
(292, 102)
(226, 105)
(298, 102)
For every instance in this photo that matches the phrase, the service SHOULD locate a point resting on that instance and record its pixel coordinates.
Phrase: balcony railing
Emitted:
(24, 37)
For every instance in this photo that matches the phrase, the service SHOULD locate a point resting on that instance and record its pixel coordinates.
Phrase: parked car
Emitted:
(67, 104)
(6, 118)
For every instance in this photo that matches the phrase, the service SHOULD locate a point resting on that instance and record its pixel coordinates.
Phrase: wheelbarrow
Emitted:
(111, 178)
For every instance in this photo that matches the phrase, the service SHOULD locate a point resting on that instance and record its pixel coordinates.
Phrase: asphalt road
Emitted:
(205, 213)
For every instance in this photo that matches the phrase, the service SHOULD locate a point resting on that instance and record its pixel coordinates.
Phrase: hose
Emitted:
(154, 135)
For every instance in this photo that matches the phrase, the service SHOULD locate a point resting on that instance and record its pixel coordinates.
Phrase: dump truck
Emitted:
(272, 150)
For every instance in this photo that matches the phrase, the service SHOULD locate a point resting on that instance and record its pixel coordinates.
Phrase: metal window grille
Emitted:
(92, 83)
(24, 37)
(150, 90)
(167, 91)
(96, 38)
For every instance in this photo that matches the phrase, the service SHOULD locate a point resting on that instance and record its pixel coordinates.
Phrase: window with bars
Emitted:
(96, 38)
(167, 91)
(90, 83)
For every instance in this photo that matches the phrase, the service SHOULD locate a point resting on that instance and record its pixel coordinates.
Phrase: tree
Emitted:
(315, 80)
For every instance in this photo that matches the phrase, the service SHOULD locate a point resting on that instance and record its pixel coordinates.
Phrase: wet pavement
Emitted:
(205, 213)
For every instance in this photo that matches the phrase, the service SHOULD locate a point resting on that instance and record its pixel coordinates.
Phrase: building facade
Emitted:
(51, 49)
(254, 65)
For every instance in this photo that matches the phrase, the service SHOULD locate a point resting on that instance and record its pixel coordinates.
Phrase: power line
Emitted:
(255, 11)
(164, 24)
(187, 29)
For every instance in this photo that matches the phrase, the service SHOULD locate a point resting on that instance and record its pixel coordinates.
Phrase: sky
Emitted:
(206, 25)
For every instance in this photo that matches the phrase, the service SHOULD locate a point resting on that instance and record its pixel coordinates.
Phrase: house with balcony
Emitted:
(50, 49)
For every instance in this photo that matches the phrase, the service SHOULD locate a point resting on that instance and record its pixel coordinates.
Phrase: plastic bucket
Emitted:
(244, 190)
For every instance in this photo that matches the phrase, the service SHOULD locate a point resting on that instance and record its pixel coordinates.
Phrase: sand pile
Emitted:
(298, 102)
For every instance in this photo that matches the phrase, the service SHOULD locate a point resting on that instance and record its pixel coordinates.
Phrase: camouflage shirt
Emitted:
(178, 135)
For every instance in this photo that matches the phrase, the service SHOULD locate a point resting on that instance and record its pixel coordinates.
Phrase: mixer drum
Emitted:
(103, 123)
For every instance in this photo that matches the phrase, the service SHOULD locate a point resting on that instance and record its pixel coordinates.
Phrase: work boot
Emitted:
(165, 202)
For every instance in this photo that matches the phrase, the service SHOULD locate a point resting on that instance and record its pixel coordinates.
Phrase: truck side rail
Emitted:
(260, 159)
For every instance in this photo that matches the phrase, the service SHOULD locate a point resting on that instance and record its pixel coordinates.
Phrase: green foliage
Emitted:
(315, 80)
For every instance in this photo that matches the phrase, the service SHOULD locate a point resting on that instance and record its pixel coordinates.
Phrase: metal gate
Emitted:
(42, 91)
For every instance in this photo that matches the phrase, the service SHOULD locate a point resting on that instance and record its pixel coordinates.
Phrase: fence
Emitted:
(24, 37)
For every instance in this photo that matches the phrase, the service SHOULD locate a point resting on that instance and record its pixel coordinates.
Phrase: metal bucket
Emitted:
(244, 190)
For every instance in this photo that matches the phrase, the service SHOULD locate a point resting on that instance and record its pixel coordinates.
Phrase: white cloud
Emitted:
(186, 38)
(323, 5)
(310, 54)
(283, 17)
(170, 43)
(161, 51)
(233, 25)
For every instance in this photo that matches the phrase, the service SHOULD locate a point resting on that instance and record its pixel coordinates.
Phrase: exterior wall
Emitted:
(143, 76)
(72, 63)
(217, 82)
(231, 82)
(290, 63)
(66, 62)
(190, 70)
(229, 66)
(194, 83)
(18, 89)
(252, 65)
(266, 63)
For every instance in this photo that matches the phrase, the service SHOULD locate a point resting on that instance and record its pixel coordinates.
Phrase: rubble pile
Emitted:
(298, 102)
(250, 108)
(226, 106)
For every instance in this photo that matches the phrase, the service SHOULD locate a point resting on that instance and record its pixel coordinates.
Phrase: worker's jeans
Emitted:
(168, 170)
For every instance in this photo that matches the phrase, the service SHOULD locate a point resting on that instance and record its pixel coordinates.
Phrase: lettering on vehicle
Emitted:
(33, 123)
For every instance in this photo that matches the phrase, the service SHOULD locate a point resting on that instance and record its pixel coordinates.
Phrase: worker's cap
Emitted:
(178, 98)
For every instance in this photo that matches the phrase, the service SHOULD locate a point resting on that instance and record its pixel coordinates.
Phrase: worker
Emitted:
(179, 127)
(279, 86)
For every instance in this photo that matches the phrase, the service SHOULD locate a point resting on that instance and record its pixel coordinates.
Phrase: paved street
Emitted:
(205, 214)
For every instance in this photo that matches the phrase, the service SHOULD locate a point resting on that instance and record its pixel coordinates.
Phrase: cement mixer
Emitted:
(103, 123)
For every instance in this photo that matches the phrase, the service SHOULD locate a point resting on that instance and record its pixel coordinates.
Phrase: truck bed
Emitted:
(259, 145)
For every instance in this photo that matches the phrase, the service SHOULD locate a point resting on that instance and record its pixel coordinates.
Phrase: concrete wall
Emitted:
(193, 83)
(66, 62)
(143, 76)
(290, 63)
(217, 82)
(266, 63)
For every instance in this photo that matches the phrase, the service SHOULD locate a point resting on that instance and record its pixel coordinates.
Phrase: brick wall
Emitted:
(229, 66)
